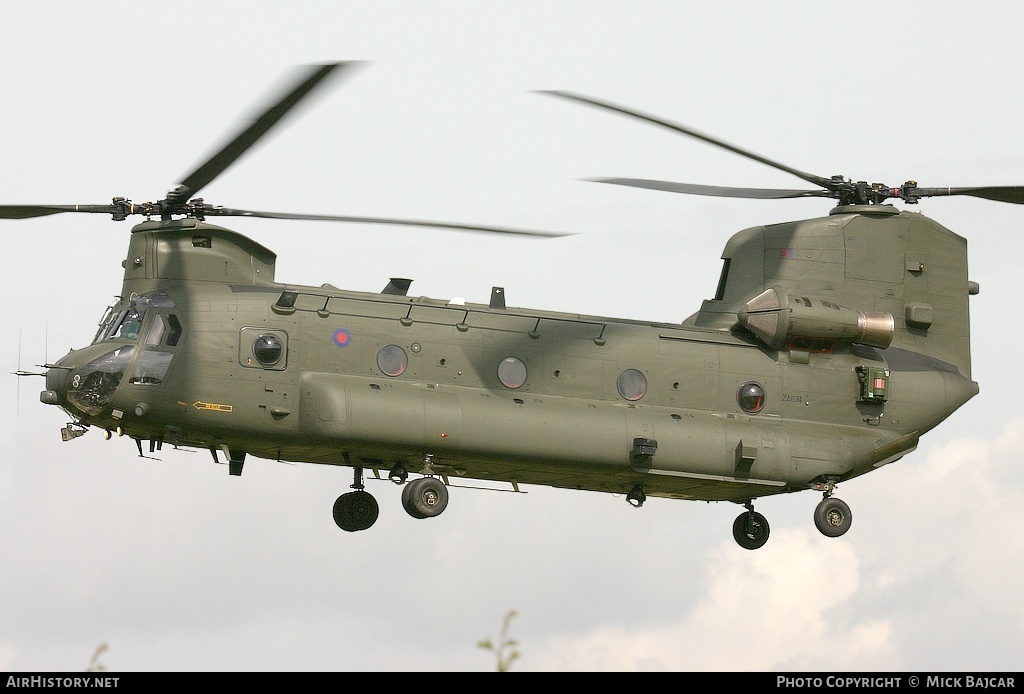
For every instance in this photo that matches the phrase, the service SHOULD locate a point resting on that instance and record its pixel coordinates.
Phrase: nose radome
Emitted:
(57, 376)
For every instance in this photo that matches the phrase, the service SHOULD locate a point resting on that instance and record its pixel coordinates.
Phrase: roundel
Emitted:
(342, 337)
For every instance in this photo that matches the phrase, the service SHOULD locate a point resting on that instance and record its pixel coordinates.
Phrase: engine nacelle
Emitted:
(777, 318)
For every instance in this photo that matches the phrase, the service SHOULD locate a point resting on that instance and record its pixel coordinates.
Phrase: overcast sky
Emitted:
(177, 566)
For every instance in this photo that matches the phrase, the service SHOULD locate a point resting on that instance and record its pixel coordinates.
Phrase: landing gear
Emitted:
(750, 529)
(832, 517)
(425, 498)
(636, 497)
(356, 510)
(422, 498)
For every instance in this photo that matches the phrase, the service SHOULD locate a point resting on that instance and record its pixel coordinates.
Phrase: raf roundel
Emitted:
(342, 337)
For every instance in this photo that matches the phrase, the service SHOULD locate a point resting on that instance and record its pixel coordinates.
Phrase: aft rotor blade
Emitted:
(1014, 194)
(195, 181)
(685, 130)
(228, 212)
(29, 211)
(717, 191)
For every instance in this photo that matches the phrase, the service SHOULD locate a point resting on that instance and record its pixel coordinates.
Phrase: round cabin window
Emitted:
(750, 397)
(392, 360)
(631, 384)
(268, 349)
(512, 372)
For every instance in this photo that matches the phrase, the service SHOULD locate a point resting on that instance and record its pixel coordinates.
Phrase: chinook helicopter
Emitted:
(830, 347)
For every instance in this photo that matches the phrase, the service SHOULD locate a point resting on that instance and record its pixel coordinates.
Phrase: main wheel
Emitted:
(355, 511)
(425, 498)
(407, 504)
(750, 530)
(833, 517)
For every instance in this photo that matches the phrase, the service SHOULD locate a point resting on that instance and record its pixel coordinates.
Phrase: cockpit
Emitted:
(124, 321)
(136, 341)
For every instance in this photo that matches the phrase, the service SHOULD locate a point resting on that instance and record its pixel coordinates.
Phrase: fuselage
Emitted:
(205, 349)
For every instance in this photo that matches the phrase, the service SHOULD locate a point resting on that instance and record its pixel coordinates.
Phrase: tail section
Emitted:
(866, 274)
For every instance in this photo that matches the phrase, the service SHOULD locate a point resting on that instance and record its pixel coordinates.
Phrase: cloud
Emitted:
(884, 598)
(763, 610)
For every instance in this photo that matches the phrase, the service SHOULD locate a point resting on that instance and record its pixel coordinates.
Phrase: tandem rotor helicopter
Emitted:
(829, 347)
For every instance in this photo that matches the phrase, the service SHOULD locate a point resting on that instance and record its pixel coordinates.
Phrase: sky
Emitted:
(173, 565)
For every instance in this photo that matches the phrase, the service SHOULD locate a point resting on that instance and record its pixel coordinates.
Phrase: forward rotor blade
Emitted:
(676, 127)
(228, 212)
(1013, 194)
(29, 211)
(215, 165)
(717, 191)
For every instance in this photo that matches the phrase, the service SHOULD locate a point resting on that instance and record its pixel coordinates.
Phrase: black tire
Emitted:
(833, 517)
(425, 498)
(407, 504)
(750, 529)
(355, 511)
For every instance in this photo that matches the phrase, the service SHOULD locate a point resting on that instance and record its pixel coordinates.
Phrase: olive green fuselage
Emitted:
(302, 373)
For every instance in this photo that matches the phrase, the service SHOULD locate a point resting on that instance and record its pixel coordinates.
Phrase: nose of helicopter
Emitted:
(58, 376)
(85, 381)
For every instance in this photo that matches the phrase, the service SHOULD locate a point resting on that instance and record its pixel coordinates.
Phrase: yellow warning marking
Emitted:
(211, 406)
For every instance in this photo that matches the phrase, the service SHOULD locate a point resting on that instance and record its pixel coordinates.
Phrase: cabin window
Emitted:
(392, 360)
(751, 397)
(631, 384)
(268, 349)
(258, 348)
(512, 373)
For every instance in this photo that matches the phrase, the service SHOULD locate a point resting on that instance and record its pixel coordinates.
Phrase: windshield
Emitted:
(123, 320)
(94, 384)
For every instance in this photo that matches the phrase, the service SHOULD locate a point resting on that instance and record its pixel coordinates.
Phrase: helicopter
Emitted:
(830, 346)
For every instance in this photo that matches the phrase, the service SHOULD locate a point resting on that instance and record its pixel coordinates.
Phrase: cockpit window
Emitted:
(93, 385)
(130, 324)
(156, 331)
(124, 321)
(111, 319)
(174, 334)
(150, 367)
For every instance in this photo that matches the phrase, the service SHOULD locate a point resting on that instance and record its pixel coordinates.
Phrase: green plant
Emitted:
(505, 650)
